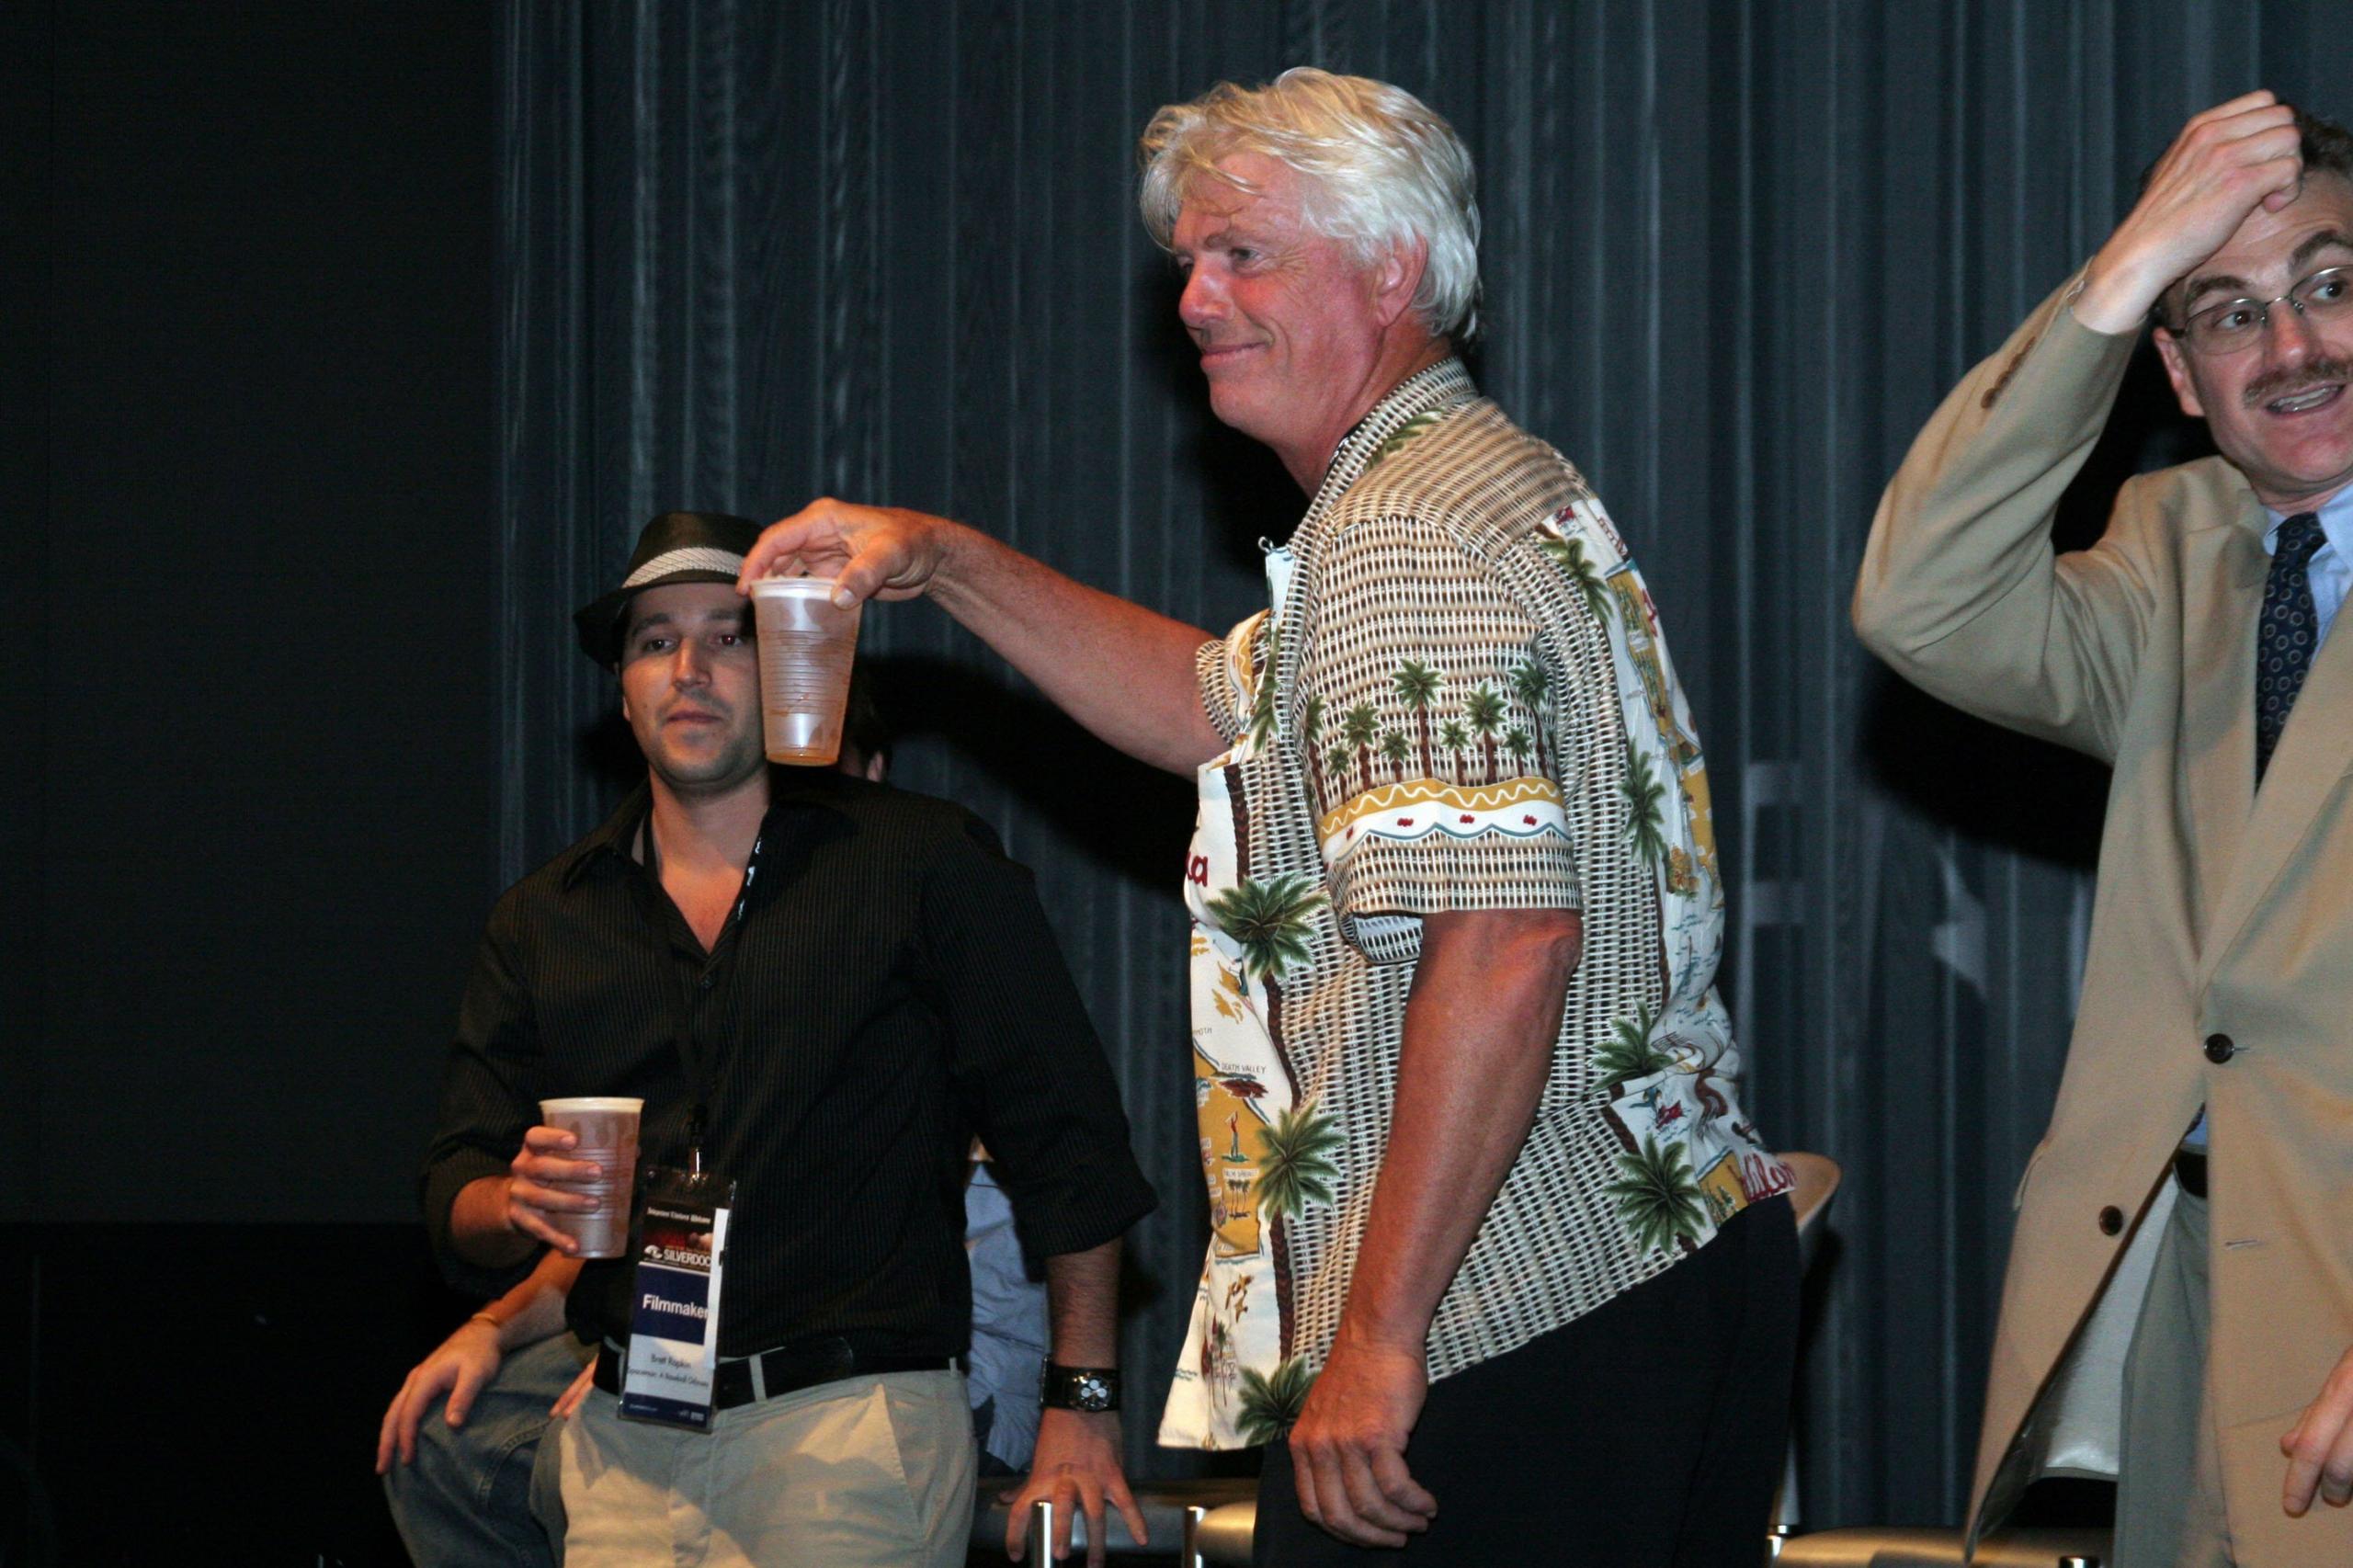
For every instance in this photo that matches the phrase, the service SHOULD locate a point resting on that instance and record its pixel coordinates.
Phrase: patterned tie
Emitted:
(2288, 633)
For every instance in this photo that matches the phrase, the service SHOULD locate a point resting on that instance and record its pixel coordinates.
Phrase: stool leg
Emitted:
(1042, 1531)
(1191, 1555)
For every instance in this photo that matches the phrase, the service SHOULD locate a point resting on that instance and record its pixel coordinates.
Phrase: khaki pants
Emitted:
(2169, 1492)
(868, 1471)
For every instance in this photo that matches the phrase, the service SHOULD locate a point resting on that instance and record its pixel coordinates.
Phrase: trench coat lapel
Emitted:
(2222, 572)
(2315, 751)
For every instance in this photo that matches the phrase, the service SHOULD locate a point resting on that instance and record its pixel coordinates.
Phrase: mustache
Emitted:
(2289, 380)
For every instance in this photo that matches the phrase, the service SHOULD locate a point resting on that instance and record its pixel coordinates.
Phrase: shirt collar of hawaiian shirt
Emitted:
(1442, 386)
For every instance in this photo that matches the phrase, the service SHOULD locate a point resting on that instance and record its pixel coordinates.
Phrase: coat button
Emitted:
(2218, 1048)
(2111, 1220)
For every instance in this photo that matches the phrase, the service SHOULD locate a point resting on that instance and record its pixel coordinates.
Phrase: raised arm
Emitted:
(1124, 672)
(1958, 590)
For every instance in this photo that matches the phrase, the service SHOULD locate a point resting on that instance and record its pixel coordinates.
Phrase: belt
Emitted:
(785, 1369)
(2190, 1169)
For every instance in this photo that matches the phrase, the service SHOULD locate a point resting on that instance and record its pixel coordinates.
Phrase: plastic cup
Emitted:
(807, 644)
(607, 1128)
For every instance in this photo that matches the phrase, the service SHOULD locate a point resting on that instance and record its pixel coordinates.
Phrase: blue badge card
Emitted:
(673, 1325)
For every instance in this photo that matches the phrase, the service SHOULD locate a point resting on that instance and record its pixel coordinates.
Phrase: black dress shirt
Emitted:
(889, 988)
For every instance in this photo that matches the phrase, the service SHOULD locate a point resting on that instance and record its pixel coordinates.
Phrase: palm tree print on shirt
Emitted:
(1268, 920)
(1658, 1202)
(1402, 436)
(1262, 704)
(1627, 1053)
(1396, 751)
(1295, 1164)
(1483, 711)
(1645, 828)
(1417, 685)
(1270, 1405)
(1360, 726)
(1568, 554)
(1336, 766)
(1532, 685)
(1455, 739)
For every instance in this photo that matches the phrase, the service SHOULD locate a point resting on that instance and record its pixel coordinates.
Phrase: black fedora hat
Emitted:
(676, 547)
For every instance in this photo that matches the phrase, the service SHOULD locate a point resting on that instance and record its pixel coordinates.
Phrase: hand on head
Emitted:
(2227, 162)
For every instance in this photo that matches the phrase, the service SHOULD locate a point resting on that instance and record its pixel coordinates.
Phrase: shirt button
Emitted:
(2218, 1048)
(2111, 1220)
(704, 982)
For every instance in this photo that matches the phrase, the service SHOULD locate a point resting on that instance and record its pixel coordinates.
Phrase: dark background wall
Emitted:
(248, 813)
(368, 335)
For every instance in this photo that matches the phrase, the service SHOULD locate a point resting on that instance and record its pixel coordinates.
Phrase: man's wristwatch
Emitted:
(1092, 1389)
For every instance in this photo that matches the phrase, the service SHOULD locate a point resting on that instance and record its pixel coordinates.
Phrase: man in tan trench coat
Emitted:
(2192, 1330)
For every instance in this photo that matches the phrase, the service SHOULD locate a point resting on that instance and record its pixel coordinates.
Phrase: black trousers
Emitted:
(1649, 1433)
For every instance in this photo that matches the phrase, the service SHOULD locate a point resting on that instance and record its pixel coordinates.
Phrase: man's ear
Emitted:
(2177, 358)
(1397, 278)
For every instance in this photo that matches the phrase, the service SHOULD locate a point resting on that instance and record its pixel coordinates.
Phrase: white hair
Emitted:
(1380, 168)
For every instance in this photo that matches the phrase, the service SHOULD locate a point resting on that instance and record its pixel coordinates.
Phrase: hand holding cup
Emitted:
(547, 1186)
(576, 1171)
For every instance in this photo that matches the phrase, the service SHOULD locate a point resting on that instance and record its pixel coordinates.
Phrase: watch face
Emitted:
(1075, 1388)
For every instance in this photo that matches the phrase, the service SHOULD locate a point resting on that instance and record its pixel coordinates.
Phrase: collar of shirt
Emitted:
(1438, 387)
(793, 791)
(2330, 572)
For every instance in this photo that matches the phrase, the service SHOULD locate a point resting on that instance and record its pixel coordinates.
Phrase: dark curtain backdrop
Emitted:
(1735, 253)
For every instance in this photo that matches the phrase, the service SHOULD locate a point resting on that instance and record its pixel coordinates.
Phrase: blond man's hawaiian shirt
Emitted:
(1458, 699)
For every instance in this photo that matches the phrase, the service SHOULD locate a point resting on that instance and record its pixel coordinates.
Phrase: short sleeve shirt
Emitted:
(1458, 699)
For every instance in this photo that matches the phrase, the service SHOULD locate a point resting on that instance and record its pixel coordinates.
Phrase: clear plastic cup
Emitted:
(807, 644)
(607, 1128)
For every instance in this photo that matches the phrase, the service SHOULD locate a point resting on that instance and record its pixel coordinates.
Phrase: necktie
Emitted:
(2286, 636)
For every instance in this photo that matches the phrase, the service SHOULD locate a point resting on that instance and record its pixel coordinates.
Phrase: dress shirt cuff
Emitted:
(1081, 1207)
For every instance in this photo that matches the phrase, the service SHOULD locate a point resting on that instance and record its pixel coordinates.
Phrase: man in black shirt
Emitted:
(839, 985)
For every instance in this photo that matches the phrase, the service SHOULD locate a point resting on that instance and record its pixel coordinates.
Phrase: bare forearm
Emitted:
(1083, 1306)
(1480, 1030)
(479, 1229)
(533, 1310)
(1124, 672)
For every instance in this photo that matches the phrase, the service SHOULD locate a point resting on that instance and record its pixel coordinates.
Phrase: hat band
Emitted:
(698, 559)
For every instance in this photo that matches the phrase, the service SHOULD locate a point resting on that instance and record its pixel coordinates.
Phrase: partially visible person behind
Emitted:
(2208, 1098)
(459, 1443)
(823, 990)
(1010, 1335)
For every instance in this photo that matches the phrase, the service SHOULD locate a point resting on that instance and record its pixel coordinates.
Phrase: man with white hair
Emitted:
(1478, 1175)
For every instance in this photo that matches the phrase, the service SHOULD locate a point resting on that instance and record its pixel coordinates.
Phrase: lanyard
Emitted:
(697, 1114)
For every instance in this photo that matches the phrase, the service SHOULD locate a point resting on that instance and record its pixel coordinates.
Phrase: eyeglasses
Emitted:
(2234, 325)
